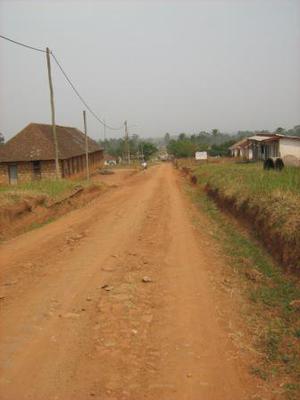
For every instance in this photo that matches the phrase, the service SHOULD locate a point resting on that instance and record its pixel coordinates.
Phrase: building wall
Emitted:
(3, 174)
(74, 166)
(271, 149)
(48, 170)
(25, 171)
(244, 153)
(289, 147)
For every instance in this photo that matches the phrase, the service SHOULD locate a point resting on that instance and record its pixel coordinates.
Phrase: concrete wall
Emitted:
(244, 153)
(289, 147)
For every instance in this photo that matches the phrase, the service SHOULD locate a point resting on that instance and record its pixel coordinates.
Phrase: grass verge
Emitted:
(268, 201)
(51, 189)
(274, 323)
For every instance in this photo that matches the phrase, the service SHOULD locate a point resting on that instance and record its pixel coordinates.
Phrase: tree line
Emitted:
(139, 148)
(214, 142)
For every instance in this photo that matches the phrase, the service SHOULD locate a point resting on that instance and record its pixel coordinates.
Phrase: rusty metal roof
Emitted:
(238, 144)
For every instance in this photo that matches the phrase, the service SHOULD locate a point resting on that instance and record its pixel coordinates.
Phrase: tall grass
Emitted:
(275, 195)
(251, 179)
(274, 324)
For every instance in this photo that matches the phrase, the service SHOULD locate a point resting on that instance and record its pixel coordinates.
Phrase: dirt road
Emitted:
(78, 322)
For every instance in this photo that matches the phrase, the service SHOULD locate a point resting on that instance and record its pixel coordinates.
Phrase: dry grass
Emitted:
(50, 189)
(270, 200)
(274, 324)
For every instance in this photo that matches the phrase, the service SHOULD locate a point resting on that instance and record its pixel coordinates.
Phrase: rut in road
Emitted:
(79, 322)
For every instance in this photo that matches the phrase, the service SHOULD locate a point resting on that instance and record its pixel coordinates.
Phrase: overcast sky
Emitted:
(166, 66)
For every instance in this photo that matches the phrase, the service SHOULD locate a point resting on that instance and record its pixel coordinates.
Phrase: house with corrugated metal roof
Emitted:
(269, 145)
(30, 155)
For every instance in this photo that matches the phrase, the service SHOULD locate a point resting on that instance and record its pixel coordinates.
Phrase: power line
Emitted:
(68, 80)
(81, 98)
(23, 44)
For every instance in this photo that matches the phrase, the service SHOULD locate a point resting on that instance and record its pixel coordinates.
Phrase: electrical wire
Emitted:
(81, 98)
(23, 44)
(68, 80)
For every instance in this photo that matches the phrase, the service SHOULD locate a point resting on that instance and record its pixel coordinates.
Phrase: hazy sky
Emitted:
(166, 66)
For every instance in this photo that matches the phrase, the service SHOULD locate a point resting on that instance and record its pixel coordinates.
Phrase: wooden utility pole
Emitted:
(57, 170)
(104, 134)
(127, 149)
(86, 147)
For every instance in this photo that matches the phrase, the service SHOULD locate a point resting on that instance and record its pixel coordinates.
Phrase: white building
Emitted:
(264, 146)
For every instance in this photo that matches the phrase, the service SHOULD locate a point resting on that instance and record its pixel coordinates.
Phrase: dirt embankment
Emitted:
(22, 210)
(285, 248)
(33, 211)
(280, 235)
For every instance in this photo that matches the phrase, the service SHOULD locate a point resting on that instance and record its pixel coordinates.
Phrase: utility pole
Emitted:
(127, 149)
(86, 147)
(57, 171)
(104, 133)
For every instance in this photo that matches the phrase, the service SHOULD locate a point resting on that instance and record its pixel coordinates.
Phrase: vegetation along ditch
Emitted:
(272, 316)
(267, 201)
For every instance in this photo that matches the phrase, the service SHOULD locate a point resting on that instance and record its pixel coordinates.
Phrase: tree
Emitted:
(148, 149)
(134, 141)
(296, 130)
(215, 132)
(221, 149)
(280, 130)
(114, 147)
(181, 148)
(1, 138)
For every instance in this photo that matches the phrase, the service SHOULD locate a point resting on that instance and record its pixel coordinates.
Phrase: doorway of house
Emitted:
(36, 167)
(13, 174)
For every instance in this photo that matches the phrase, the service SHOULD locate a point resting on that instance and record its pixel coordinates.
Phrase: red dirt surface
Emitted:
(79, 322)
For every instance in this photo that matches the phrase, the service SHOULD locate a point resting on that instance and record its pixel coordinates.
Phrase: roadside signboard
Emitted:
(201, 155)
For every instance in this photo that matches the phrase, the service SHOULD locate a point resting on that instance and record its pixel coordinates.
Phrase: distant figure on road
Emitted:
(144, 165)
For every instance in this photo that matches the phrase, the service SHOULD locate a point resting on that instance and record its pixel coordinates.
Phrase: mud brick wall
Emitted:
(25, 171)
(4, 180)
(74, 166)
(48, 169)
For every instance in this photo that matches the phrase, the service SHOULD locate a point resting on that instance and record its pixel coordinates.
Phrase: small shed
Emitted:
(30, 155)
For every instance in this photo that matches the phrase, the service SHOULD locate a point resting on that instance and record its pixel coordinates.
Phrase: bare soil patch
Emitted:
(121, 300)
